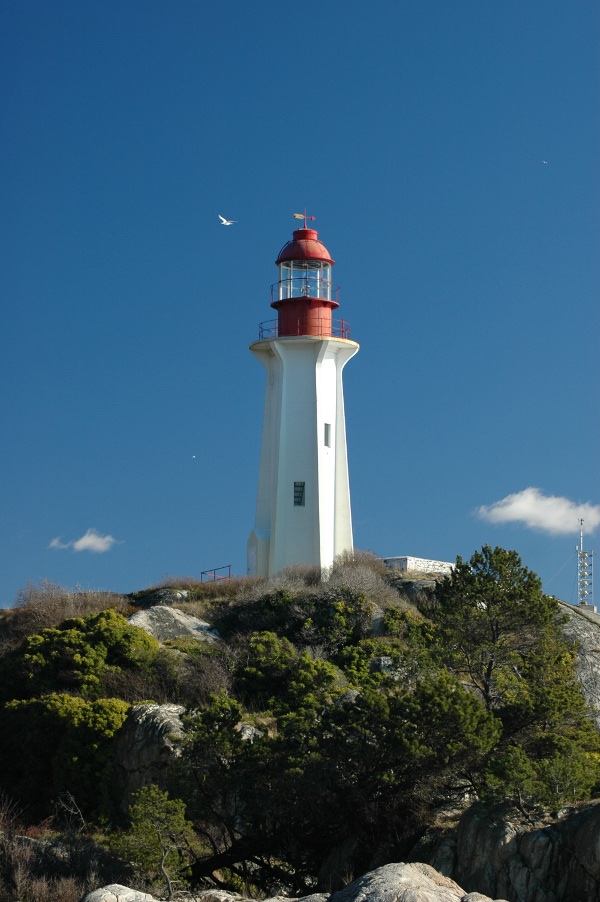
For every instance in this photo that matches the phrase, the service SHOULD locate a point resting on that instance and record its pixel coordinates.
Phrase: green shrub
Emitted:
(74, 656)
(59, 744)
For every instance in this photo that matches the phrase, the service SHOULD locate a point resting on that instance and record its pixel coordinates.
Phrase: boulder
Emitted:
(117, 893)
(145, 747)
(164, 622)
(412, 882)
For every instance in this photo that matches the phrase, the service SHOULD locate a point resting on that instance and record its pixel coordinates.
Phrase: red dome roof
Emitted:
(305, 245)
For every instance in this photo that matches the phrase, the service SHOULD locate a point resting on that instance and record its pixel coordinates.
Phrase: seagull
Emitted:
(545, 162)
(226, 221)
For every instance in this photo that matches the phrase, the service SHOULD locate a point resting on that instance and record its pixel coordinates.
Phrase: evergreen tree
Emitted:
(499, 632)
(158, 840)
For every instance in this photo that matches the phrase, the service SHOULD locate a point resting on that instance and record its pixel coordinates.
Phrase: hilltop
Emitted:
(296, 732)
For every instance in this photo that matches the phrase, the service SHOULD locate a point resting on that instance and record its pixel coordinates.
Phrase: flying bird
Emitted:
(226, 221)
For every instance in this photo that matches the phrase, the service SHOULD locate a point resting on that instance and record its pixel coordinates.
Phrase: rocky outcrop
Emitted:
(164, 622)
(391, 883)
(117, 893)
(414, 882)
(168, 595)
(145, 747)
(557, 862)
(583, 627)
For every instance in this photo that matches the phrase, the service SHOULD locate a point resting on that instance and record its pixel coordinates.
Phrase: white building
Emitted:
(419, 565)
(303, 505)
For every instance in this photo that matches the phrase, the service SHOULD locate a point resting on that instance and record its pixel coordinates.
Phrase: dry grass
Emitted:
(219, 588)
(38, 866)
(202, 599)
(360, 573)
(46, 605)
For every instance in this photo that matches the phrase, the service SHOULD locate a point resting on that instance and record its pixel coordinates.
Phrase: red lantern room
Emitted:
(305, 295)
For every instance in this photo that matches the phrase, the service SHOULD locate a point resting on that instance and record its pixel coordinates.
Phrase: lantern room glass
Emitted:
(304, 278)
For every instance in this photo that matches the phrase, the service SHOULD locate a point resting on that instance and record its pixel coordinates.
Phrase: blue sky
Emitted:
(449, 152)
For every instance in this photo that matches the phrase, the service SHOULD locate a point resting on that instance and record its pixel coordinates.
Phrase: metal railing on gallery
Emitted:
(337, 328)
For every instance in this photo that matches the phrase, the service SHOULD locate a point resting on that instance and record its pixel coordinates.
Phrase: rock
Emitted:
(248, 732)
(424, 584)
(382, 664)
(402, 882)
(117, 893)
(413, 882)
(349, 697)
(377, 621)
(145, 746)
(169, 623)
(167, 595)
(584, 628)
(219, 895)
(558, 862)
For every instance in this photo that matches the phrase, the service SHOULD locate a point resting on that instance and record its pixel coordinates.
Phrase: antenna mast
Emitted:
(585, 574)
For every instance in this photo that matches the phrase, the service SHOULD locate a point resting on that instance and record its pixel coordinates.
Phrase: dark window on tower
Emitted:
(299, 494)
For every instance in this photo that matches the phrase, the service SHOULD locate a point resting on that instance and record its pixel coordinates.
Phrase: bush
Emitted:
(74, 656)
(322, 622)
(59, 744)
(174, 677)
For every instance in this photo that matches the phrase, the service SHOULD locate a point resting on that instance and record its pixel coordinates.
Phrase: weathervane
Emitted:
(304, 217)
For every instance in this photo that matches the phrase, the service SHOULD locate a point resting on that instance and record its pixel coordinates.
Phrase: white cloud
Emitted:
(90, 541)
(93, 541)
(548, 513)
(56, 543)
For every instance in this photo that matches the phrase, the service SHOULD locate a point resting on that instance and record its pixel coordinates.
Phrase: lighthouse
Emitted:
(303, 511)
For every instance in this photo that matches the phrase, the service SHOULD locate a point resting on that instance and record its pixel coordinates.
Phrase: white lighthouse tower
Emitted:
(303, 506)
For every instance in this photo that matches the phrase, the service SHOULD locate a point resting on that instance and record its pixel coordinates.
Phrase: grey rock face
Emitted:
(145, 746)
(556, 863)
(163, 623)
(584, 628)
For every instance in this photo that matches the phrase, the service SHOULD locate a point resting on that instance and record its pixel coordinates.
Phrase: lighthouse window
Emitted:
(327, 436)
(304, 278)
(299, 493)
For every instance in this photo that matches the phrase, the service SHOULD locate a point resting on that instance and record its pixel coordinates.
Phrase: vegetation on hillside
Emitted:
(322, 735)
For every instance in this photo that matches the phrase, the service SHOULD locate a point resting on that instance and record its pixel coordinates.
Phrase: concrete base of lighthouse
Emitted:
(303, 510)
